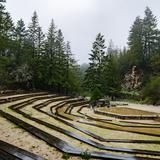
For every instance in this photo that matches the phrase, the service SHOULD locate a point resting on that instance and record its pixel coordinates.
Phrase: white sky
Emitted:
(81, 20)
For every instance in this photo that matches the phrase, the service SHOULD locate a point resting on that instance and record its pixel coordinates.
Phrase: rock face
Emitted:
(133, 79)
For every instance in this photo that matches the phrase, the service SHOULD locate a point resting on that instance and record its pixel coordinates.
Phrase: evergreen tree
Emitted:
(36, 40)
(144, 40)
(149, 33)
(6, 32)
(6, 47)
(33, 33)
(111, 77)
(6, 24)
(20, 31)
(60, 44)
(40, 41)
(51, 41)
(20, 37)
(60, 60)
(67, 66)
(93, 77)
(71, 71)
(50, 55)
(135, 42)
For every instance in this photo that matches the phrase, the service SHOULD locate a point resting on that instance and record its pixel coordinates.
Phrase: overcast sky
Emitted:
(81, 20)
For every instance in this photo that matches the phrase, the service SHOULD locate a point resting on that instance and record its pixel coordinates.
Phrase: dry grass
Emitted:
(127, 111)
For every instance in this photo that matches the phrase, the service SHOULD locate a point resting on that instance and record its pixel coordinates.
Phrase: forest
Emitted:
(33, 60)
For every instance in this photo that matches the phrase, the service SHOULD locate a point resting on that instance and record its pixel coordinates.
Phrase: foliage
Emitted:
(144, 48)
(111, 78)
(23, 76)
(93, 77)
(151, 92)
(96, 94)
(85, 155)
(135, 43)
(65, 156)
(107, 69)
(29, 59)
(143, 39)
(155, 64)
(102, 75)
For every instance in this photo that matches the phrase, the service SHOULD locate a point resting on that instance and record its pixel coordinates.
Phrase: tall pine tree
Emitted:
(93, 77)
(135, 42)
(149, 33)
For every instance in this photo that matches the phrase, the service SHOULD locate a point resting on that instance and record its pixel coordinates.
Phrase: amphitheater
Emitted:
(47, 126)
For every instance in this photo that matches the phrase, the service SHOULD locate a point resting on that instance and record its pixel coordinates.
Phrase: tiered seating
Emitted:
(11, 152)
(62, 122)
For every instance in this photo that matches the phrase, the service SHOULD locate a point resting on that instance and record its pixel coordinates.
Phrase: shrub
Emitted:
(65, 156)
(96, 94)
(151, 92)
(85, 155)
